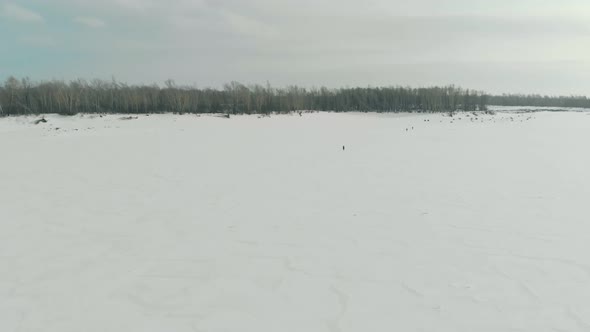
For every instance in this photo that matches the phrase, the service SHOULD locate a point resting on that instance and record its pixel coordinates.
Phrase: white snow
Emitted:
(186, 223)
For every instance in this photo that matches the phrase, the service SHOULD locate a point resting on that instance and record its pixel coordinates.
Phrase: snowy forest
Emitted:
(23, 96)
(539, 100)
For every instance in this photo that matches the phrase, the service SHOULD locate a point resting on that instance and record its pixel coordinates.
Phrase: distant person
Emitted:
(343, 148)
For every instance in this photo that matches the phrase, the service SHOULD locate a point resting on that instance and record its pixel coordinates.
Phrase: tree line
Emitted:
(23, 96)
(539, 100)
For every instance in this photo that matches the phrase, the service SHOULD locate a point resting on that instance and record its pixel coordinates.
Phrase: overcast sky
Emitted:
(540, 46)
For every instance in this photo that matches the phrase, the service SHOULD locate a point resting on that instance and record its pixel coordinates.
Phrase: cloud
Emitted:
(339, 42)
(91, 22)
(38, 40)
(249, 27)
(19, 13)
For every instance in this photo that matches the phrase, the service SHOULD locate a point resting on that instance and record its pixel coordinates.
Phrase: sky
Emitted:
(499, 46)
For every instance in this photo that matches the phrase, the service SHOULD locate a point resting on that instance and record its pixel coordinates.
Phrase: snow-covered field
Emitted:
(186, 223)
